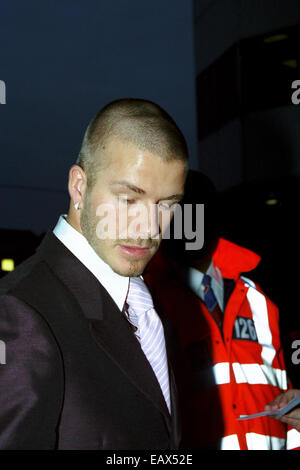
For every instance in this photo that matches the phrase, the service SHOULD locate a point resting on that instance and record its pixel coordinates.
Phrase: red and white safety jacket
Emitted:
(227, 373)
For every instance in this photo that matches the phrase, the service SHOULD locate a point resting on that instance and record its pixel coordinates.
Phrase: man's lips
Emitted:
(134, 251)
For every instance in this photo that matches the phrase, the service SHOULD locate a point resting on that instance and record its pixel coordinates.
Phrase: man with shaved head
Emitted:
(87, 355)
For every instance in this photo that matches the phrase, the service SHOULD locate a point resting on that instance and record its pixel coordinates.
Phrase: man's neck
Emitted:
(201, 264)
(74, 223)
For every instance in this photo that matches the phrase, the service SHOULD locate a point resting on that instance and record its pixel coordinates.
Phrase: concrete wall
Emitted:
(237, 153)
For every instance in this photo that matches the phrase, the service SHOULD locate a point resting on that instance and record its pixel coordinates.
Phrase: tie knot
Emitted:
(139, 297)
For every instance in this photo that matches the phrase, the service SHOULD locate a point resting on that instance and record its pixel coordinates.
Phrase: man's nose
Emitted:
(147, 221)
(153, 223)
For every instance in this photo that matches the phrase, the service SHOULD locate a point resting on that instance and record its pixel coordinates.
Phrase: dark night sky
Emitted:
(61, 62)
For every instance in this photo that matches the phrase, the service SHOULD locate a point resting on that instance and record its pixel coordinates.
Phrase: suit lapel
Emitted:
(108, 325)
(115, 336)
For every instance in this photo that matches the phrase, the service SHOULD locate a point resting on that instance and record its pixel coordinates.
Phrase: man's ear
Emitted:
(77, 185)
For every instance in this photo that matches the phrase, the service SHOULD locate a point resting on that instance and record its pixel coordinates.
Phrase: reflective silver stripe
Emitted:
(293, 439)
(258, 305)
(261, 442)
(260, 374)
(244, 373)
(230, 443)
(217, 375)
(221, 373)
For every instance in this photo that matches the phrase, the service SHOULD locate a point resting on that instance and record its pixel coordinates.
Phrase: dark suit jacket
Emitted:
(75, 376)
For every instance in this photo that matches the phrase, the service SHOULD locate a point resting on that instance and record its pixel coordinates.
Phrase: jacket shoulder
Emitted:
(13, 279)
(250, 284)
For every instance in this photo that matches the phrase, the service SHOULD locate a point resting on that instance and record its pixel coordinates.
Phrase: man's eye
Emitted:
(126, 200)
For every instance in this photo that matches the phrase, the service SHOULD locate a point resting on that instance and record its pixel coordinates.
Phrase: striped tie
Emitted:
(149, 332)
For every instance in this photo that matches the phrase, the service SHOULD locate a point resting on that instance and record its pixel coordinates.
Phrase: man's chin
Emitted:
(131, 270)
(124, 263)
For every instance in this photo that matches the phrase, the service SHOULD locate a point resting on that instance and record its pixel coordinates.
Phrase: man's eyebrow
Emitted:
(138, 190)
(130, 186)
(176, 197)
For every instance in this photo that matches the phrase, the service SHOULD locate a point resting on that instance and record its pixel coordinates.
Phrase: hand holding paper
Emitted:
(279, 412)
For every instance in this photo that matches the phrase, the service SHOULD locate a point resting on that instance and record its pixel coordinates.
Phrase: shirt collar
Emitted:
(195, 278)
(116, 285)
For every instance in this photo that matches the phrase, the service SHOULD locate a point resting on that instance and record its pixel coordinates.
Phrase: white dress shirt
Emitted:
(116, 285)
(194, 280)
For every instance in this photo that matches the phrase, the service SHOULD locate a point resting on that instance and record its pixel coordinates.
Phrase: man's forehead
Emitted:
(115, 142)
(119, 153)
(117, 147)
(130, 165)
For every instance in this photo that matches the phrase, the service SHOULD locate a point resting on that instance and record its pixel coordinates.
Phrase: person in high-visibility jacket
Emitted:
(226, 369)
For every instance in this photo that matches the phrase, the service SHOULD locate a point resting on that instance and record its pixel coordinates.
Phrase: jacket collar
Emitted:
(233, 259)
(115, 284)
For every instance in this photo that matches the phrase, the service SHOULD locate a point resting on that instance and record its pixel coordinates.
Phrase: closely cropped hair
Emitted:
(141, 122)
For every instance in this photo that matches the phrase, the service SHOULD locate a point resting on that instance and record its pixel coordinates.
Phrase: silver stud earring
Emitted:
(76, 206)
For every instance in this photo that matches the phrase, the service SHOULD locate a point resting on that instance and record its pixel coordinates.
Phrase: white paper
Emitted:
(281, 411)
